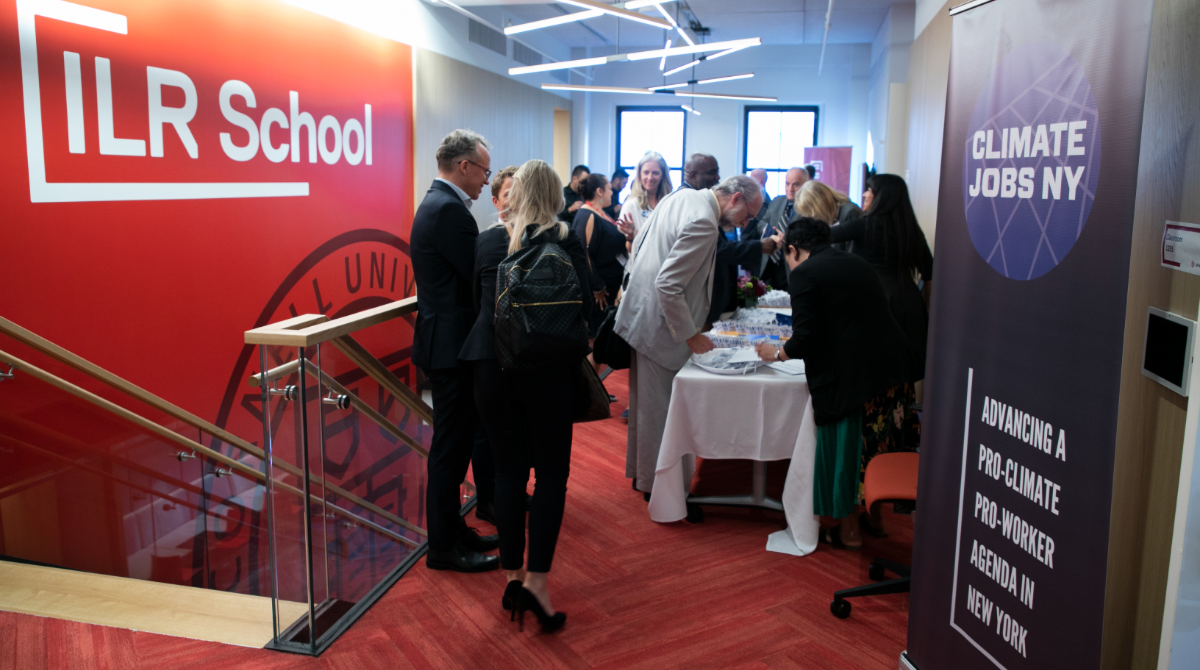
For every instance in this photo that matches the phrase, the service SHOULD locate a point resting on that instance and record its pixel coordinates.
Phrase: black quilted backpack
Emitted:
(539, 315)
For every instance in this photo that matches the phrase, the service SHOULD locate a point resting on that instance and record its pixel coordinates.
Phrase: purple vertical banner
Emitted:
(833, 166)
(1035, 217)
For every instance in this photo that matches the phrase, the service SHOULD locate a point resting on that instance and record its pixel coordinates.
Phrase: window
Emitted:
(642, 129)
(775, 140)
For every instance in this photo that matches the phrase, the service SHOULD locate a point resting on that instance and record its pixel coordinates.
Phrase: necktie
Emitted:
(782, 225)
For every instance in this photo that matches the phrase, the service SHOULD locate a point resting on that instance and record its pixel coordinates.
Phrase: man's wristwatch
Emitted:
(777, 350)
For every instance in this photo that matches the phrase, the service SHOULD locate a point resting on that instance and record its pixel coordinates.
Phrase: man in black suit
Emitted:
(573, 193)
(776, 219)
(700, 172)
(442, 245)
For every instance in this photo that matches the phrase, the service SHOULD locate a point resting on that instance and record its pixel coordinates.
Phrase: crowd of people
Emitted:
(663, 267)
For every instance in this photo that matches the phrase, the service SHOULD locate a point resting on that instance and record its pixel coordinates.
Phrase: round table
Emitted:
(763, 416)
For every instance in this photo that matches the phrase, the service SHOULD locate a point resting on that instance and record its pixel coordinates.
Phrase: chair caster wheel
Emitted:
(875, 572)
(840, 608)
(695, 513)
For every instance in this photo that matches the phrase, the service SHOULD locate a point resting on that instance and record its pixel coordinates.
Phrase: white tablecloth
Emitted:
(764, 416)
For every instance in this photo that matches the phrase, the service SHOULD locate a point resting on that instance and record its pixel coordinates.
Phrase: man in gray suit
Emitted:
(666, 302)
(775, 221)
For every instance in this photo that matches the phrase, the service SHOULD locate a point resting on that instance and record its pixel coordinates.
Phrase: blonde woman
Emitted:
(527, 413)
(819, 201)
(651, 183)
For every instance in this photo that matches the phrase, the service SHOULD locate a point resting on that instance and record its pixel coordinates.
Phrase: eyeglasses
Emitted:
(487, 174)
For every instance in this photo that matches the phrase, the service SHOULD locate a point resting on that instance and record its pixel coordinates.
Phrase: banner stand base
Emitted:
(906, 664)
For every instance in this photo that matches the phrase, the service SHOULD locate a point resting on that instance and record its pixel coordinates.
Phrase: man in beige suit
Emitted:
(666, 302)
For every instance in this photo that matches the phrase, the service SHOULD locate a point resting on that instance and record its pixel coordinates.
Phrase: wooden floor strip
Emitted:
(180, 611)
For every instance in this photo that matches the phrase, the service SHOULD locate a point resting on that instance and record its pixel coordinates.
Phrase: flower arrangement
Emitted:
(749, 289)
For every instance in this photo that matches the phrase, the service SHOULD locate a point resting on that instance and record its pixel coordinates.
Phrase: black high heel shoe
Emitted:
(527, 601)
(509, 600)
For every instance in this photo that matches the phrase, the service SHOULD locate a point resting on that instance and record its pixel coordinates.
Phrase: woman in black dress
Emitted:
(888, 238)
(527, 413)
(605, 246)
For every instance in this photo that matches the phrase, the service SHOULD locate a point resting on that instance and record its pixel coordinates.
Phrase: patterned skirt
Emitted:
(889, 425)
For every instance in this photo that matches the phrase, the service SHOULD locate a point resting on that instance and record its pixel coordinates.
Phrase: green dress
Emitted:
(835, 479)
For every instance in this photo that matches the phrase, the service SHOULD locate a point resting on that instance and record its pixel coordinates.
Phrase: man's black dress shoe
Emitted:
(461, 559)
(486, 512)
(473, 541)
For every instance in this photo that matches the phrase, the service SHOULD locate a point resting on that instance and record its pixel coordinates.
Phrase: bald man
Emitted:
(701, 172)
(775, 220)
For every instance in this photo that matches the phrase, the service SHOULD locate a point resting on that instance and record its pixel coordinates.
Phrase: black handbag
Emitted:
(591, 398)
(610, 348)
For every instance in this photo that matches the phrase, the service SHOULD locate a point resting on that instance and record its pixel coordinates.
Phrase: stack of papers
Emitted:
(792, 366)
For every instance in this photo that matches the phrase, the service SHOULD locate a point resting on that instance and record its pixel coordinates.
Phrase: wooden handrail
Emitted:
(92, 370)
(288, 333)
(237, 466)
(367, 362)
(290, 367)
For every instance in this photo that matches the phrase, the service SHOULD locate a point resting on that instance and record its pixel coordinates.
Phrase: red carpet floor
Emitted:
(638, 594)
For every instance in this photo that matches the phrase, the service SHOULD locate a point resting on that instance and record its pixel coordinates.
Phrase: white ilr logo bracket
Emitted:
(42, 191)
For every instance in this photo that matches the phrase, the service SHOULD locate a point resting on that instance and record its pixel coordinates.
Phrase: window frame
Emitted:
(816, 111)
(649, 108)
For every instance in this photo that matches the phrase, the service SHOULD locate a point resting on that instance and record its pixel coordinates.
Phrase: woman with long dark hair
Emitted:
(527, 413)
(888, 238)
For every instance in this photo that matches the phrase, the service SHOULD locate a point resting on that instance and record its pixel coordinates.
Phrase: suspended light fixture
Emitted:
(662, 64)
(690, 110)
(646, 91)
(594, 10)
(556, 21)
(638, 4)
(668, 17)
(695, 82)
(619, 12)
(706, 58)
(731, 45)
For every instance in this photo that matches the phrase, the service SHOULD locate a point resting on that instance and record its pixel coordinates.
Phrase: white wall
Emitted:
(889, 67)
(517, 120)
(439, 29)
(788, 73)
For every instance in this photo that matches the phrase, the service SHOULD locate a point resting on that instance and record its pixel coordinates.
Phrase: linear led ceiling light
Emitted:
(619, 12)
(731, 45)
(681, 68)
(646, 91)
(638, 4)
(556, 21)
(662, 64)
(690, 110)
(694, 82)
(685, 66)
(595, 89)
(668, 17)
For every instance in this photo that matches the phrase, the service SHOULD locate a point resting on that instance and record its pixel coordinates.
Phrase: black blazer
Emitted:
(442, 245)
(853, 349)
(746, 253)
(491, 248)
